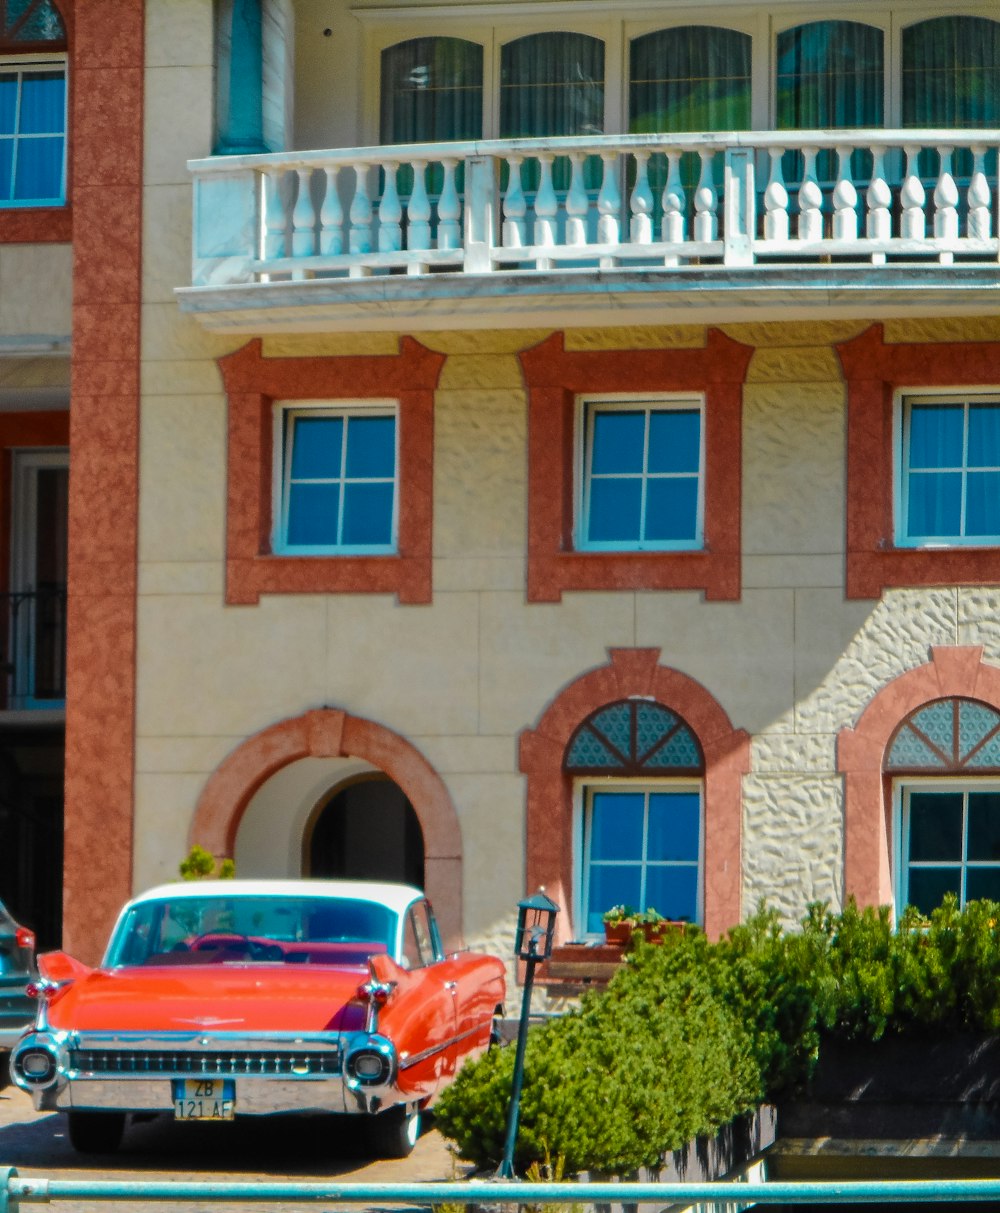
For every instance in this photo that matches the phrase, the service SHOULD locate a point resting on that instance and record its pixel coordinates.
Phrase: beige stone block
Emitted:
(179, 33)
(196, 377)
(741, 652)
(479, 573)
(166, 241)
(164, 804)
(793, 469)
(467, 754)
(793, 843)
(182, 448)
(942, 328)
(979, 620)
(530, 651)
(182, 577)
(781, 334)
(659, 337)
(480, 471)
(198, 756)
(794, 754)
(170, 335)
(228, 671)
(179, 106)
(491, 813)
(480, 372)
(483, 341)
(412, 668)
(795, 364)
(846, 652)
(761, 572)
(321, 345)
(36, 290)
(25, 374)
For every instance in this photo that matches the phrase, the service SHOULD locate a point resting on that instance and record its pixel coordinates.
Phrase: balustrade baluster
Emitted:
(810, 225)
(418, 215)
(331, 217)
(609, 203)
(304, 217)
(275, 220)
(449, 209)
(845, 198)
(913, 198)
(878, 225)
(390, 212)
(674, 203)
(641, 202)
(776, 199)
(577, 202)
(546, 209)
(980, 222)
(945, 203)
(515, 229)
(361, 217)
(706, 200)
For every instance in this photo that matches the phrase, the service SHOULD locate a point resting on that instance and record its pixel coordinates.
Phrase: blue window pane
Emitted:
(929, 885)
(43, 103)
(673, 891)
(672, 509)
(984, 826)
(615, 511)
(936, 826)
(312, 514)
(616, 825)
(371, 446)
(982, 506)
(39, 169)
(673, 826)
(982, 883)
(619, 439)
(316, 447)
(6, 162)
(8, 104)
(675, 441)
(936, 435)
(367, 515)
(611, 886)
(935, 505)
(984, 435)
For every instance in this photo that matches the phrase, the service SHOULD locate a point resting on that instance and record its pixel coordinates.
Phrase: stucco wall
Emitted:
(36, 291)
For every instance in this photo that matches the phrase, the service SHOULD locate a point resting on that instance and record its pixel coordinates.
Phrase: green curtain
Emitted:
(432, 91)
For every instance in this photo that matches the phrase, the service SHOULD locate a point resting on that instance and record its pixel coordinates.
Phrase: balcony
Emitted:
(33, 656)
(649, 228)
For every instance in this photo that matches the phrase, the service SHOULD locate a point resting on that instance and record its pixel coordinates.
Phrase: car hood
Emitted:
(213, 998)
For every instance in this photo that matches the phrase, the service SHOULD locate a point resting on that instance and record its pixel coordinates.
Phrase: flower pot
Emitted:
(618, 932)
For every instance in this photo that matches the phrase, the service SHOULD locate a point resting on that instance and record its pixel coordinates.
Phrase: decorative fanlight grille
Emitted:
(632, 737)
(31, 23)
(948, 735)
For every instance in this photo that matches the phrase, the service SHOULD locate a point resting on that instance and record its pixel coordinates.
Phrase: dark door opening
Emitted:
(368, 831)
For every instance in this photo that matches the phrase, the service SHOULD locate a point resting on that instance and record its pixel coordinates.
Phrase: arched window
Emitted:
(432, 91)
(32, 104)
(692, 78)
(951, 73)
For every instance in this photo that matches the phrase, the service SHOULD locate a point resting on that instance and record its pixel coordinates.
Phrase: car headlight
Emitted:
(36, 1066)
(371, 1065)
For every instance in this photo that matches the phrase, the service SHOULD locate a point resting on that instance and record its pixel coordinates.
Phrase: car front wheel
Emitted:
(96, 1132)
(394, 1133)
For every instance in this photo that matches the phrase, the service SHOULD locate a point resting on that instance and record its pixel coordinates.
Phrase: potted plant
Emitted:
(622, 922)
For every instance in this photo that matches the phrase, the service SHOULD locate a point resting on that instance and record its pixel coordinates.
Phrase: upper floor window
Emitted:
(337, 480)
(552, 84)
(949, 470)
(642, 484)
(951, 73)
(694, 78)
(432, 91)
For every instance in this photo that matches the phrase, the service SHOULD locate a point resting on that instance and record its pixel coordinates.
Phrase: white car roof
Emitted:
(395, 896)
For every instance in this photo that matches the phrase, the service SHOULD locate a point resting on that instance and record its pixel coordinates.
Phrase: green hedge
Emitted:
(690, 1034)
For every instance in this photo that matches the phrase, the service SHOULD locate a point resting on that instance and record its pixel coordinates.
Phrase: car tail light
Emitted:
(25, 938)
(36, 1066)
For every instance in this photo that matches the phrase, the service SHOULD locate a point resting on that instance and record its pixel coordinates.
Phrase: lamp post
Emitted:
(536, 923)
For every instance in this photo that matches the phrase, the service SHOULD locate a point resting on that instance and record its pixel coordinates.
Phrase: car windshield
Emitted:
(252, 928)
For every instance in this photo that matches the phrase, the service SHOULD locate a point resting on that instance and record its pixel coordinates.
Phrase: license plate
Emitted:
(204, 1099)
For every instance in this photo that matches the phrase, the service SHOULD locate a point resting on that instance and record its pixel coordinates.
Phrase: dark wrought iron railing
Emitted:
(33, 647)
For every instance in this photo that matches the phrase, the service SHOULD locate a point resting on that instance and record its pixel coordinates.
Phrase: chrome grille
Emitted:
(235, 1064)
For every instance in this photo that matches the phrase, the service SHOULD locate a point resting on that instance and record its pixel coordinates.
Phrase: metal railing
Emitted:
(33, 648)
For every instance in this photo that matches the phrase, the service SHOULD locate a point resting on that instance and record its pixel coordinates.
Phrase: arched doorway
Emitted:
(367, 830)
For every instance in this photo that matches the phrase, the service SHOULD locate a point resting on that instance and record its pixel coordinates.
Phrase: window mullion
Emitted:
(965, 467)
(342, 498)
(644, 857)
(965, 850)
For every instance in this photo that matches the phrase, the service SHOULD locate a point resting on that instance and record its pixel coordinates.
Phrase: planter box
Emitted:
(575, 966)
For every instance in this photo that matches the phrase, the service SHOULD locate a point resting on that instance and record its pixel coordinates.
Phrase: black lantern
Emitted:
(536, 924)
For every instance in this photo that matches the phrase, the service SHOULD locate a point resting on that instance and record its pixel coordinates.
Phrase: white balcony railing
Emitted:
(913, 198)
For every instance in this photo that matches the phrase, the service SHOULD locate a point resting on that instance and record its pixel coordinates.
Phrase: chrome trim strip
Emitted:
(417, 1058)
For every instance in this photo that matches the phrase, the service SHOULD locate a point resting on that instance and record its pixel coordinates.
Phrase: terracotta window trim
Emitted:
(36, 225)
(875, 371)
(554, 378)
(252, 384)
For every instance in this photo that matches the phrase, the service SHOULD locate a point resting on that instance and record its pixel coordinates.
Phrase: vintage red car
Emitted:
(219, 999)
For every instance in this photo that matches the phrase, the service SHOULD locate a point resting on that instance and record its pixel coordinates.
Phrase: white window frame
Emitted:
(902, 400)
(583, 788)
(38, 62)
(284, 412)
(901, 787)
(583, 430)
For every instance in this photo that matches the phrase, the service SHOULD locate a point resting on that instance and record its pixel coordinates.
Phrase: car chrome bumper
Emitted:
(254, 1096)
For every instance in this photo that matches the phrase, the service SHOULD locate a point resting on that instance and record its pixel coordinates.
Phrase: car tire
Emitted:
(96, 1132)
(4, 1068)
(394, 1133)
